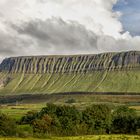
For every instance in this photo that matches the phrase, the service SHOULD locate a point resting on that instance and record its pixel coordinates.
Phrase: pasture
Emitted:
(18, 108)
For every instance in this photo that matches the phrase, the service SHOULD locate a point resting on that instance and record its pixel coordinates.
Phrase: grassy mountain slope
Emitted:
(110, 72)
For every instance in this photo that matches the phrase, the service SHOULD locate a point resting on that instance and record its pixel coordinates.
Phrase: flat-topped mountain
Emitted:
(71, 64)
(106, 72)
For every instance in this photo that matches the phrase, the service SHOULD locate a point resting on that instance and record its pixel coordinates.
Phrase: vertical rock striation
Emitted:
(71, 64)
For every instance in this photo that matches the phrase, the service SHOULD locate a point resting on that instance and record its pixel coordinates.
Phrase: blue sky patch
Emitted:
(131, 15)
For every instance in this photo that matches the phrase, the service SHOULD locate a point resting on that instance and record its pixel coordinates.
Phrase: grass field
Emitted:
(20, 108)
(103, 137)
(17, 111)
(97, 81)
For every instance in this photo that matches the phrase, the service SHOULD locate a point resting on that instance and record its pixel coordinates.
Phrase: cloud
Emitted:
(13, 44)
(110, 44)
(55, 36)
(96, 15)
(46, 27)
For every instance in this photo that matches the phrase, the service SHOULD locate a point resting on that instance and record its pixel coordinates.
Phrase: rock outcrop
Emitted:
(71, 64)
(4, 81)
(107, 72)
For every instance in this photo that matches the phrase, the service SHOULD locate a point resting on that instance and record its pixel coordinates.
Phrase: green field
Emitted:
(17, 111)
(20, 108)
(97, 81)
(101, 137)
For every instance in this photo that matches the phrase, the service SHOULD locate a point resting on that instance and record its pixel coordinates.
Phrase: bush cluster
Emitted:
(97, 119)
(68, 120)
(8, 126)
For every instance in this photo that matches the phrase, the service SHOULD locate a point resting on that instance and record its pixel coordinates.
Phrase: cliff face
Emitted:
(71, 64)
(108, 72)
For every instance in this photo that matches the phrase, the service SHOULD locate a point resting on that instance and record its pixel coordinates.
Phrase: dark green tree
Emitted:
(49, 109)
(47, 124)
(124, 120)
(97, 118)
(29, 117)
(70, 118)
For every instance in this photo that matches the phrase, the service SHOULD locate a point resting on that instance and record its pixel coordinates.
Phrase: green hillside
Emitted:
(109, 72)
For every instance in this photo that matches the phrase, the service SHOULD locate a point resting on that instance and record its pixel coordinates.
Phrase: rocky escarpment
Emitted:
(108, 72)
(71, 64)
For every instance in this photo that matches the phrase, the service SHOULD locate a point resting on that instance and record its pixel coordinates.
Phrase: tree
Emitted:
(46, 125)
(65, 118)
(97, 118)
(124, 120)
(49, 109)
(29, 117)
(69, 118)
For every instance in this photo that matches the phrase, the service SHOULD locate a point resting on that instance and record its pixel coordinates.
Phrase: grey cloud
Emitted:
(59, 36)
(56, 1)
(54, 36)
(7, 44)
(110, 44)
(12, 44)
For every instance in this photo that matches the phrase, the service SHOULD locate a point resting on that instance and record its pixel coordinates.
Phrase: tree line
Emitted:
(69, 121)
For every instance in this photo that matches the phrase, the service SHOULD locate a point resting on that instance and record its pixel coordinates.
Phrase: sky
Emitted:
(53, 27)
(131, 15)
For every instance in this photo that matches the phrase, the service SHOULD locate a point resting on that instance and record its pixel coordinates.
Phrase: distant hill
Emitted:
(107, 72)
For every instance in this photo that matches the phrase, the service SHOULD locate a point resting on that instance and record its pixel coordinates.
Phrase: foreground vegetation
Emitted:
(55, 120)
(22, 110)
(95, 137)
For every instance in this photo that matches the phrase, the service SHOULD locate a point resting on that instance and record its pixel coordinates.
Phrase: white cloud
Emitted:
(96, 15)
(59, 37)
(30, 27)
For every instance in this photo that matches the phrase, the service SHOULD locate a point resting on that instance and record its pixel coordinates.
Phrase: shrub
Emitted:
(46, 125)
(62, 119)
(49, 109)
(124, 120)
(8, 126)
(29, 117)
(138, 131)
(98, 119)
